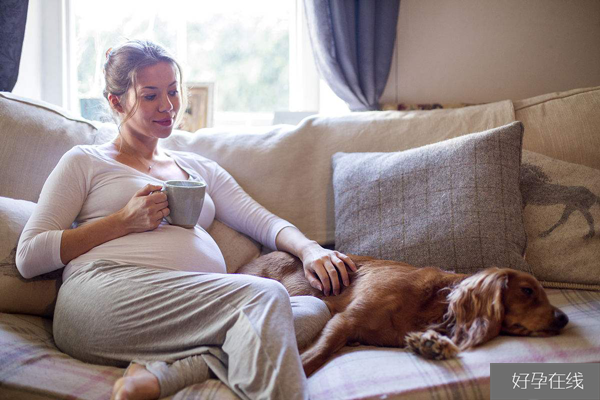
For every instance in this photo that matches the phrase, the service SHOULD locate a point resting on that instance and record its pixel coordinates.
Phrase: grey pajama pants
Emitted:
(183, 324)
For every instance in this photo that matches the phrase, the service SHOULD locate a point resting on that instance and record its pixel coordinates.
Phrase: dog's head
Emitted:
(497, 301)
(527, 311)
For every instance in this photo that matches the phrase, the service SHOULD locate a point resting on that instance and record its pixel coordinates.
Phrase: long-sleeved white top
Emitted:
(87, 185)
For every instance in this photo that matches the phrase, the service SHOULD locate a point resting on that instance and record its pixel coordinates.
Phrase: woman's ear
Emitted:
(115, 103)
(476, 308)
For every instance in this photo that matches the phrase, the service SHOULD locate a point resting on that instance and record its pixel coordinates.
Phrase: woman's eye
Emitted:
(174, 92)
(527, 291)
(150, 97)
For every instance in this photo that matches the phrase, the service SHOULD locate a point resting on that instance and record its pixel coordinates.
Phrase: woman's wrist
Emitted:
(120, 224)
(291, 240)
(306, 248)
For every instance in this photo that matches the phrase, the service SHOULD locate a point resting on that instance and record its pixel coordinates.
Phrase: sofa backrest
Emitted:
(564, 125)
(34, 136)
(288, 168)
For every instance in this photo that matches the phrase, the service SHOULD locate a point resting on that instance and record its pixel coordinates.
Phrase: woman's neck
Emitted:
(145, 147)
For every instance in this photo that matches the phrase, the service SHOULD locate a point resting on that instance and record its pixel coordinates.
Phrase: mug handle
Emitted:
(168, 217)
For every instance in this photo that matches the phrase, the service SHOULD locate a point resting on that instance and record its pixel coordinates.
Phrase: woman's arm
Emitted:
(237, 209)
(48, 243)
(321, 266)
(143, 212)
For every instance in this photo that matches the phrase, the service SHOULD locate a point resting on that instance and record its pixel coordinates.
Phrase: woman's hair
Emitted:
(123, 63)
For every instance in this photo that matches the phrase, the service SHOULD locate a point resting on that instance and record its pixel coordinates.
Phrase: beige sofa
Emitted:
(288, 169)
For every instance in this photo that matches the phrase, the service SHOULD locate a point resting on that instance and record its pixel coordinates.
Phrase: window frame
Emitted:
(304, 79)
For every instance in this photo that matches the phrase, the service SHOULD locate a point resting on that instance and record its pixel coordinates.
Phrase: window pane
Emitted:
(241, 46)
(246, 53)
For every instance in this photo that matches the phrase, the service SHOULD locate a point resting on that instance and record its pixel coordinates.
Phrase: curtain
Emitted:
(353, 43)
(13, 14)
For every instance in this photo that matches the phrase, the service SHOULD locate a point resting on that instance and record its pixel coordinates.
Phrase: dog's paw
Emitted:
(431, 345)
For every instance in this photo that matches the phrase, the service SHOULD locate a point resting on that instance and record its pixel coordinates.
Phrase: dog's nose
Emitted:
(560, 319)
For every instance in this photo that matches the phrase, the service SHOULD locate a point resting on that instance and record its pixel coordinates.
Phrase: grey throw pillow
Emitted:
(454, 204)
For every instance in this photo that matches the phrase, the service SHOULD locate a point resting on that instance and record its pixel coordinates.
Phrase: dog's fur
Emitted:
(433, 312)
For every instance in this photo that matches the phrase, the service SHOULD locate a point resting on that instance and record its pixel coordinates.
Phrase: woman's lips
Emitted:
(164, 122)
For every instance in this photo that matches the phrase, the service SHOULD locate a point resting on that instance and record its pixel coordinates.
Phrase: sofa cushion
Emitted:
(454, 204)
(562, 220)
(37, 296)
(237, 248)
(287, 169)
(564, 125)
(35, 135)
(34, 368)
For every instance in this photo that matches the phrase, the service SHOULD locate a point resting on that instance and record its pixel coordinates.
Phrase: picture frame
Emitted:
(200, 109)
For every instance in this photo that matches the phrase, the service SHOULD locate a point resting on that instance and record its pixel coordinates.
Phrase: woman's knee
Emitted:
(310, 316)
(265, 287)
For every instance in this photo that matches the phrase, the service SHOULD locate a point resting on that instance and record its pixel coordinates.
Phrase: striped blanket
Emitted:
(31, 367)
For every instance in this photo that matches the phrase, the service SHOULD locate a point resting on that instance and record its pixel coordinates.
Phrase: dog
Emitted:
(434, 313)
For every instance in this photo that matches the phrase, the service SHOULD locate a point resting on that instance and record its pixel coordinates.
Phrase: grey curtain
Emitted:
(13, 14)
(353, 43)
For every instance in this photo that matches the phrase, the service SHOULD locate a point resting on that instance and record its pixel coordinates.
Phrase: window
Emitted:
(255, 52)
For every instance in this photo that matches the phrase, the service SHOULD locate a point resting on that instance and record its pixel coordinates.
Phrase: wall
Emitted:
(483, 50)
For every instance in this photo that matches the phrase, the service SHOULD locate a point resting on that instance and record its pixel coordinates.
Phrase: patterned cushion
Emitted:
(562, 220)
(454, 204)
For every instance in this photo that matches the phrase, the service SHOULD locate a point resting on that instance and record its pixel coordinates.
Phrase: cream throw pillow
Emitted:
(562, 220)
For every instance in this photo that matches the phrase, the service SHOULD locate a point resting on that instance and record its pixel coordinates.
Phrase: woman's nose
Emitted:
(165, 104)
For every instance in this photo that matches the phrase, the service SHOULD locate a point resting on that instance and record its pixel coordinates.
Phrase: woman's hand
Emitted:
(323, 268)
(145, 210)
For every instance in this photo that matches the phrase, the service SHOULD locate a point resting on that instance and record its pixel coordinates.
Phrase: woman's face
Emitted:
(159, 101)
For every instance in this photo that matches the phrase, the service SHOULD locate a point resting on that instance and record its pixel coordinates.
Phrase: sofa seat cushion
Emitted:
(33, 368)
(374, 372)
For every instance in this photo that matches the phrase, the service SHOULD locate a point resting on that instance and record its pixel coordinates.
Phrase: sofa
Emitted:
(289, 170)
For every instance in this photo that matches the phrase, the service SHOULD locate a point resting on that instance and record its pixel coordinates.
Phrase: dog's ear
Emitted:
(475, 309)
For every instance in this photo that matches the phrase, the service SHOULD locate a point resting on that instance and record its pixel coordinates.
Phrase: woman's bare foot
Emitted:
(137, 384)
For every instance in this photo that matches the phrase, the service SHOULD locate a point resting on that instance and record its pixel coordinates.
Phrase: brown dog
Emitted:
(433, 312)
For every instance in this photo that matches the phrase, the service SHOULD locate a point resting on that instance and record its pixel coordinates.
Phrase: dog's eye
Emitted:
(527, 291)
